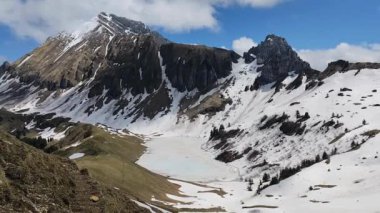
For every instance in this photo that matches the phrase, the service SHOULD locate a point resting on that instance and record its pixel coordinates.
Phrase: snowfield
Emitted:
(349, 183)
(183, 158)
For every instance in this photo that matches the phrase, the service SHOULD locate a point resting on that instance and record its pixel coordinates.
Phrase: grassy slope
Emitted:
(111, 160)
(33, 181)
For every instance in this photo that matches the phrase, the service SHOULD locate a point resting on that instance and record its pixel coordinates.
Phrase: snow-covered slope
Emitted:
(272, 150)
(323, 104)
(348, 183)
(248, 108)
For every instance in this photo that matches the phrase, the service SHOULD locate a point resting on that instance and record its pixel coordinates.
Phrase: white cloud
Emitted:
(243, 44)
(319, 59)
(41, 18)
(260, 3)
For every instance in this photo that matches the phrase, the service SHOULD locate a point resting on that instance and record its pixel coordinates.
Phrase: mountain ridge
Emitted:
(117, 61)
(275, 50)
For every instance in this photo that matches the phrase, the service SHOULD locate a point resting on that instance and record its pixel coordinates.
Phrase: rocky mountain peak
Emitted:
(273, 39)
(121, 25)
(5, 66)
(117, 59)
(105, 43)
(108, 25)
(278, 59)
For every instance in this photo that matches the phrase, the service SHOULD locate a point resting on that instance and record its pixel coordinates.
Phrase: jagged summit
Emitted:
(4, 66)
(109, 24)
(275, 39)
(101, 44)
(122, 25)
(278, 60)
(113, 24)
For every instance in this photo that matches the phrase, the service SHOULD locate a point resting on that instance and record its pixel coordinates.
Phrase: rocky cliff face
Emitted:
(278, 60)
(131, 63)
(138, 67)
(191, 67)
(344, 66)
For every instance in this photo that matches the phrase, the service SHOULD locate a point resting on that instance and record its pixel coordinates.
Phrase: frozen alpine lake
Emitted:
(183, 158)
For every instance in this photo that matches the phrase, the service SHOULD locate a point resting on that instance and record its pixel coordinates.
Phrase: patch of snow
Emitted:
(76, 156)
(108, 44)
(149, 206)
(78, 35)
(30, 125)
(50, 133)
(141, 75)
(199, 196)
(23, 61)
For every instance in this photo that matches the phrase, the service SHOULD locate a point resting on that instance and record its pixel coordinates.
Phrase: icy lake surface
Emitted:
(183, 158)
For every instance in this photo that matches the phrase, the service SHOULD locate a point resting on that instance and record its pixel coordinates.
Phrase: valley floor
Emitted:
(207, 183)
(349, 183)
(183, 158)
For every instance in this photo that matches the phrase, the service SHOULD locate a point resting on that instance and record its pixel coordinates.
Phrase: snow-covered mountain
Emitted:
(260, 113)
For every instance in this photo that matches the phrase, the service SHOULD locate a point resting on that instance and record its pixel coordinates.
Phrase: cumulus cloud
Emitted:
(319, 59)
(39, 19)
(243, 44)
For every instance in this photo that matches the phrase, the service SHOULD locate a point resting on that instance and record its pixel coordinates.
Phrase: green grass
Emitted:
(111, 159)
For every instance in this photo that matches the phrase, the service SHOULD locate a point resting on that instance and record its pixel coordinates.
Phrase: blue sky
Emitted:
(306, 24)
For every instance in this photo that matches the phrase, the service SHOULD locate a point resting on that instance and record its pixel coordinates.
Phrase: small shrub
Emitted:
(274, 181)
(266, 177)
(325, 156)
